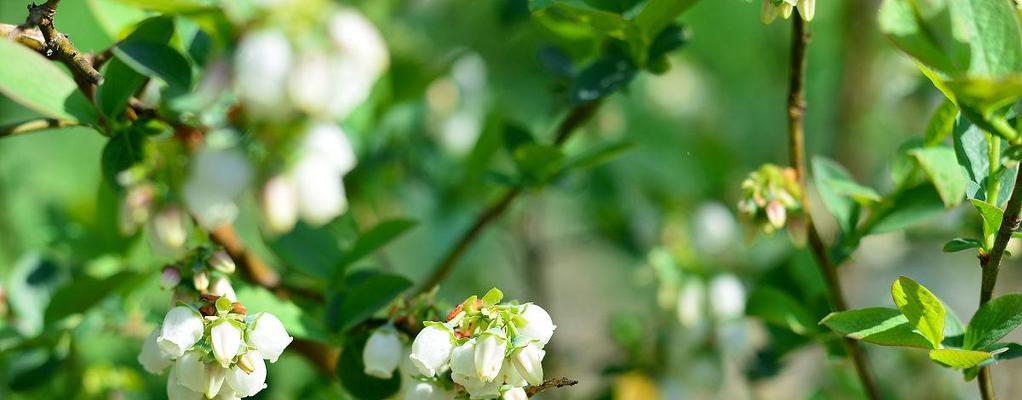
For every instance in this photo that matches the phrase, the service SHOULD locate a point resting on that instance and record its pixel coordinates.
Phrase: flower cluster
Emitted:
(490, 350)
(769, 195)
(208, 270)
(214, 349)
(783, 8)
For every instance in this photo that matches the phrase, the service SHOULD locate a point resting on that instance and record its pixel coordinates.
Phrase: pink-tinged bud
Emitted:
(776, 214)
(280, 204)
(222, 262)
(170, 277)
(136, 207)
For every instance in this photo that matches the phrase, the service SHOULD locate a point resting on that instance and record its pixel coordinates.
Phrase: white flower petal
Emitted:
(280, 204)
(431, 350)
(321, 195)
(245, 384)
(191, 371)
(489, 356)
(528, 361)
(151, 358)
(222, 287)
(225, 339)
(539, 326)
(268, 336)
(382, 353)
(181, 328)
(262, 63)
(175, 391)
(215, 376)
(516, 393)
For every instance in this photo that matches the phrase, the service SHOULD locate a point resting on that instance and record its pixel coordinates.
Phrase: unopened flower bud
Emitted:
(539, 326)
(169, 229)
(807, 8)
(489, 356)
(136, 207)
(776, 214)
(170, 277)
(280, 204)
(321, 195)
(515, 394)
(382, 353)
(181, 329)
(528, 361)
(268, 336)
(201, 281)
(225, 339)
(431, 350)
(222, 262)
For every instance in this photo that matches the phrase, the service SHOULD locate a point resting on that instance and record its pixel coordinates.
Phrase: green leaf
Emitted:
(971, 150)
(171, 6)
(31, 80)
(492, 297)
(30, 286)
(351, 372)
(992, 217)
(909, 208)
(941, 166)
(313, 251)
(112, 96)
(959, 244)
(779, 308)
(993, 321)
(991, 29)
(377, 237)
(878, 325)
(941, 124)
(602, 78)
(902, 22)
(923, 310)
(598, 155)
(83, 293)
(959, 359)
(836, 186)
(126, 148)
(1000, 351)
(295, 318)
(156, 60)
(363, 294)
(538, 163)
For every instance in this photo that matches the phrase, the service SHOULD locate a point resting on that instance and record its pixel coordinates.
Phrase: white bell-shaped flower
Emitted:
(431, 350)
(245, 384)
(382, 353)
(727, 297)
(222, 287)
(353, 34)
(321, 195)
(268, 336)
(515, 393)
(225, 338)
(215, 376)
(181, 329)
(176, 391)
(691, 303)
(262, 63)
(151, 358)
(310, 84)
(464, 372)
(538, 324)
(191, 372)
(489, 356)
(528, 361)
(221, 261)
(427, 391)
(280, 204)
(218, 177)
(326, 141)
(168, 230)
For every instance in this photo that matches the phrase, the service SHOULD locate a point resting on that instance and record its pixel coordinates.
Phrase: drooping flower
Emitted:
(464, 371)
(151, 358)
(280, 204)
(225, 339)
(528, 361)
(431, 350)
(382, 353)
(516, 393)
(321, 195)
(215, 376)
(181, 329)
(727, 297)
(177, 391)
(268, 336)
(538, 325)
(427, 391)
(489, 355)
(247, 383)
(361, 58)
(168, 230)
(262, 63)
(191, 371)
(217, 178)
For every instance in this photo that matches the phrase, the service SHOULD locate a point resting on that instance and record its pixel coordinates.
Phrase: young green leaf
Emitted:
(492, 297)
(941, 124)
(991, 219)
(993, 321)
(126, 148)
(942, 168)
(112, 96)
(834, 182)
(923, 310)
(878, 325)
(992, 29)
(959, 244)
(910, 207)
(779, 308)
(156, 60)
(31, 80)
(959, 359)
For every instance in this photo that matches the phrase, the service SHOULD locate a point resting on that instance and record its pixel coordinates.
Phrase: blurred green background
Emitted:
(604, 251)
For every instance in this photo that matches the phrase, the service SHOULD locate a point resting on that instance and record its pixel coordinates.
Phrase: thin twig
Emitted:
(576, 118)
(991, 263)
(552, 383)
(796, 145)
(33, 126)
(31, 38)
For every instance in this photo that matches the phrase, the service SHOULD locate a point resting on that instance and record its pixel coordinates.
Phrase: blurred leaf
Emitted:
(598, 155)
(992, 217)
(30, 287)
(171, 6)
(538, 163)
(959, 244)
(39, 84)
(923, 310)
(83, 293)
(296, 319)
(877, 325)
(363, 294)
(991, 29)
(902, 22)
(112, 96)
(838, 191)
(909, 208)
(781, 309)
(34, 368)
(958, 359)
(377, 237)
(126, 148)
(941, 124)
(602, 78)
(942, 167)
(313, 251)
(156, 60)
(993, 321)
(351, 372)
(658, 14)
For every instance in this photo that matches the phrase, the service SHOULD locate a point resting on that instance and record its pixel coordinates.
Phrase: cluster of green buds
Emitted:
(491, 350)
(207, 268)
(783, 8)
(769, 196)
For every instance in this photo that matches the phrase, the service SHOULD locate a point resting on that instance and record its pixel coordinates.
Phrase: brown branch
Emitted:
(576, 118)
(796, 145)
(254, 269)
(31, 38)
(991, 263)
(59, 46)
(33, 126)
(552, 383)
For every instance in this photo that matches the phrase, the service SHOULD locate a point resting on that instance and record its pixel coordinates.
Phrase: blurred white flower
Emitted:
(321, 195)
(431, 350)
(268, 336)
(247, 383)
(489, 355)
(191, 372)
(807, 8)
(168, 230)
(280, 204)
(516, 393)
(691, 300)
(360, 59)
(177, 391)
(136, 207)
(311, 85)
(528, 361)
(181, 329)
(727, 297)
(539, 326)
(715, 228)
(222, 262)
(327, 142)
(261, 66)
(382, 353)
(151, 358)
(217, 178)
(222, 287)
(427, 391)
(201, 281)
(225, 339)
